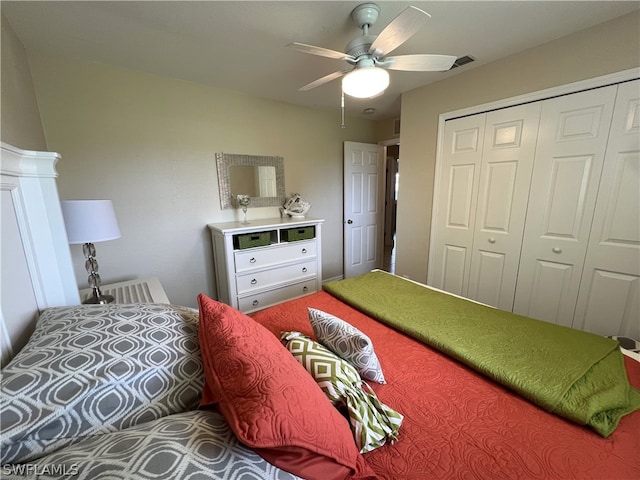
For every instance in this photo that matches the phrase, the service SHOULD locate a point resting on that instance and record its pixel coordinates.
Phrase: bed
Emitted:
(144, 391)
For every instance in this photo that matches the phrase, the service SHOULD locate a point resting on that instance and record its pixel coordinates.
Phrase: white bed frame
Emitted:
(35, 261)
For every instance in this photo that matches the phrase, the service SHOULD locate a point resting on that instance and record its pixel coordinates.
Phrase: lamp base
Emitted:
(98, 298)
(101, 300)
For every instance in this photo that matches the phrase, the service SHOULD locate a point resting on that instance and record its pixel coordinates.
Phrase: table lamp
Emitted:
(86, 222)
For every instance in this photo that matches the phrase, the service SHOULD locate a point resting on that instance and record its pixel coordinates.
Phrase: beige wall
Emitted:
(149, 143)
(21, 125)
(607, 48)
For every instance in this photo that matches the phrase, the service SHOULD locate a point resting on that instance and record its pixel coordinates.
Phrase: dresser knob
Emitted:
(253, 260)
(492, 240)
(304, 269)
(255, 303)
(556, 250)
(305, 288)
(254, 281)
(304, 250)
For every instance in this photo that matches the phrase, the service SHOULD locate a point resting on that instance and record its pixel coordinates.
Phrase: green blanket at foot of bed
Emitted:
(574, 374)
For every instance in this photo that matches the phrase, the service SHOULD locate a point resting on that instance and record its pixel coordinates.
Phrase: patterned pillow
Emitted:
(196, 445)
(372, 422)
(347, 342)
(92, 369)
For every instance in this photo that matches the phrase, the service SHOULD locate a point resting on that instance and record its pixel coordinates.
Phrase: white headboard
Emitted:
(35, 262)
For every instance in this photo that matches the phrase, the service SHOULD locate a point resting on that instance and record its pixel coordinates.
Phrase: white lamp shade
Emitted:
(365, 82)
(89, 221)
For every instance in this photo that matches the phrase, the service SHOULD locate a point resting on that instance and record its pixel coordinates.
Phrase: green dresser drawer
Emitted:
(250, 240)
(301, 233)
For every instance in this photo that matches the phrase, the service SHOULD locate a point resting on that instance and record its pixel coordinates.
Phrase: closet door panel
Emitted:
(568, 163)
(609, 298)
(507, 161)
(454, 261)
(609, 303)
(489, 277)
(565, 217)
(456, 204)
(551, 283)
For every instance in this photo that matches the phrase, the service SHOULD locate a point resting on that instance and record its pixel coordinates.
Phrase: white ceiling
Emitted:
(241, 45)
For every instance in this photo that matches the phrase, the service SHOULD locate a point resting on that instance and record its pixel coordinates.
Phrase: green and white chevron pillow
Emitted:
(347, 342)
(372, 422)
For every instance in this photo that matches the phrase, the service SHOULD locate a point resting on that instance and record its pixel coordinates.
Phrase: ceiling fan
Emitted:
(368, 57)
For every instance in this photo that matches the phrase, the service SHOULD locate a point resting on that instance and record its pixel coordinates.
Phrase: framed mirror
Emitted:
(260, 177)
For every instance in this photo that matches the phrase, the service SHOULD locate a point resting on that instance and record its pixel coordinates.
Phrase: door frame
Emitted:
(567, 89)
(388, 212)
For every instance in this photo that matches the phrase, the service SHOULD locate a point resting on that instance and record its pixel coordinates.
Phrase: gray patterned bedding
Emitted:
(111, 391)
(195, 444)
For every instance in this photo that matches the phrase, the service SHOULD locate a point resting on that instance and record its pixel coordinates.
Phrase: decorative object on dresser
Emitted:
(268, 262)
(89, 221)
(244, 201)
(295, 206)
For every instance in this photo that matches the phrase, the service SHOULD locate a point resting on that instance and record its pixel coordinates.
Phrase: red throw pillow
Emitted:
(271, 402)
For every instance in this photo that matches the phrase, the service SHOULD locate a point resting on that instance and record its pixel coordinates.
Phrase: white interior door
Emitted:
(363, 207)
(569, 156)
(609, 298)
(507, 161)
(456, 204)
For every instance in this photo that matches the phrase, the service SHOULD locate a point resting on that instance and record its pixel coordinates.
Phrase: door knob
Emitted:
(349, 221)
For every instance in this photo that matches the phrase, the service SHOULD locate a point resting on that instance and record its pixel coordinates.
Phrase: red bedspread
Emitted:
(460, 425)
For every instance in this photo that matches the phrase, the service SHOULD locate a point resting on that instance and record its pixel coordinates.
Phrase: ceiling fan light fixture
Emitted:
(365, 82)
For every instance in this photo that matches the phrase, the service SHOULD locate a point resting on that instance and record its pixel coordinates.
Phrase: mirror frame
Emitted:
(226, 160)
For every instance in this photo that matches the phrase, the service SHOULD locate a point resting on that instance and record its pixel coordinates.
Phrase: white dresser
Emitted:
(267, 261)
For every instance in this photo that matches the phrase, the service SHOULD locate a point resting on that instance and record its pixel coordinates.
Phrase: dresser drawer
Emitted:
(262, 300)
(264, 257)
(265, 278)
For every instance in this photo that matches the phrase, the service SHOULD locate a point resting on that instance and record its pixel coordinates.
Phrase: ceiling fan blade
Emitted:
(399, 30)
(325, 79)
(421, 62)
(323, 52)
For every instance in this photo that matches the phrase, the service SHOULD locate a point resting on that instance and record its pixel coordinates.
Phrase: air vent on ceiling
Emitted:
(462, 61)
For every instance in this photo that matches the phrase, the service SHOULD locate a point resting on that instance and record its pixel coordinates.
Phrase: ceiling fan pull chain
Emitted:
(342, 125)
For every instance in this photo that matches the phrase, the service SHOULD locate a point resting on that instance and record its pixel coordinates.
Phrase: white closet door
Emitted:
(569, 155)
(609, 300)
(507, 161)
(457, 197)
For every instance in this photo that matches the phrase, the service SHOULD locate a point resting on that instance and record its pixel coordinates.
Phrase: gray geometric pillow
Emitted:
(92, 369)
(195, 445)
(347, 342)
